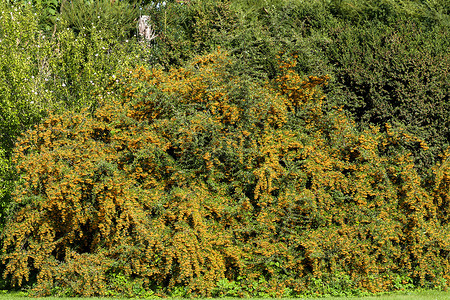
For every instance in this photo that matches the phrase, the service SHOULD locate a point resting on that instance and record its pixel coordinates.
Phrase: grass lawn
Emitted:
(424, 295)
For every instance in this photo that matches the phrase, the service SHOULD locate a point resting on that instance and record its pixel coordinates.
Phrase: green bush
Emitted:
(257, 31)
(6, 185)
(185, 178)
(394, 74)
(21, 89)
(187, 30)
(47, 11)
(41, 72)
(115, 19)
(390, 11)
(254, 34)
(232, 174)
(80, 66)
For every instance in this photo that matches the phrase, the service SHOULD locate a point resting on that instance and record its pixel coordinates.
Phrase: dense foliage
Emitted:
(104, 16)
(42, 72)
(396, 74)
(388, 62)
(194, 176)
(253, 148)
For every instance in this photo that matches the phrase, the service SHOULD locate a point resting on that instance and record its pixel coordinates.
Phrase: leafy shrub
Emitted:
(6, 185)
(19, 87)
(41, 73)
(388, 60)
(389, 11)
(395, 74)
(117, 18)
(22, 92)
(254, 33)
(80, 66)
(188, 30)
(194, 175)
(105, 213)
(47, 11)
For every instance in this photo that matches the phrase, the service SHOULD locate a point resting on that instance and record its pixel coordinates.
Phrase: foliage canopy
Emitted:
(227, 172)
(193, 176)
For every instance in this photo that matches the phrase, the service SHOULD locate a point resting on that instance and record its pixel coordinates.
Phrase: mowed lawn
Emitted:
(425, 295)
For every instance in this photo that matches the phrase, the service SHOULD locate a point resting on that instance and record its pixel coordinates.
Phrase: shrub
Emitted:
(111, 211)
(388, 61)
(253, 33)
(394, 74)
(46, 11)
(187, 30)
(19, 85)
(115, 19)
(194, 176)
(22, 92)
(6, 185)
(80, 66)
(41, 73)
(389, 11)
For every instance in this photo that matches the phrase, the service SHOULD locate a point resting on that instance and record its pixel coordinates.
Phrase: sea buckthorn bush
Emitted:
(388, 61)
(196, 182)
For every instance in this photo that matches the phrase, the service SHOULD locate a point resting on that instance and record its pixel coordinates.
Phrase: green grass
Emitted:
(423, 295)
